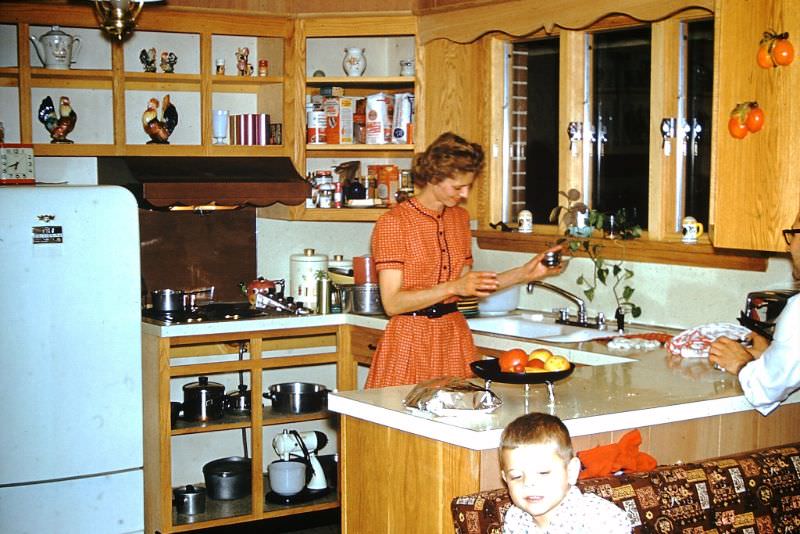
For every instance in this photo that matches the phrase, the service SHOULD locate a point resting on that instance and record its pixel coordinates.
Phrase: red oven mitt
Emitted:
(605, 460)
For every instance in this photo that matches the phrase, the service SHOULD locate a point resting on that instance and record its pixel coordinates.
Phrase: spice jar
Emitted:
(263, 67)
(326, 191)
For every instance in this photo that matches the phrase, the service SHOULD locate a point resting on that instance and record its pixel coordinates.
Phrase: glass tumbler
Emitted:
(219, 125)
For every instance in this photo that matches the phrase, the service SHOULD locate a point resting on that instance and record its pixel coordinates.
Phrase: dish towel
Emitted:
(607, 460)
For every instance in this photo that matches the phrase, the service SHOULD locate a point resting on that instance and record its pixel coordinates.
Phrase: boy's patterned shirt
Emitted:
(578, 513)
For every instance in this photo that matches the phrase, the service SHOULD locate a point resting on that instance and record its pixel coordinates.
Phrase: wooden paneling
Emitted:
(523, 17)
(397, 482)
(457, 98)
(663, 103)
(672, 252)
(756, 189)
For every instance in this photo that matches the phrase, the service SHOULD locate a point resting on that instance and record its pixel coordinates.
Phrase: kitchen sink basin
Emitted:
(520, 326)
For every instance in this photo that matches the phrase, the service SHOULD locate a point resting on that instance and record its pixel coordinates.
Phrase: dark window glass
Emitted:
(699, 83)
(541, 155)
(621, 118)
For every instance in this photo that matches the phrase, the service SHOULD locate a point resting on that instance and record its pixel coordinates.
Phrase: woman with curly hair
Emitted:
(422, 250)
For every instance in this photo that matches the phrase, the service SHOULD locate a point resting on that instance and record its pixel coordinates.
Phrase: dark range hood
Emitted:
(196, 181)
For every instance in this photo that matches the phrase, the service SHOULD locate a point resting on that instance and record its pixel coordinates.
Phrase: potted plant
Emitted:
(617, 225)
(574, 216)
(610, 274)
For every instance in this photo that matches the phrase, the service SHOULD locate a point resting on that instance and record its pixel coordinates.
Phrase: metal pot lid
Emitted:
(226, 467)
(190, 490)
(203, 384)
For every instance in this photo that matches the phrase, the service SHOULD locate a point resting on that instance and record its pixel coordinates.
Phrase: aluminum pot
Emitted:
(367, 299)
(203, 400)
(297, 397)
(238, 402)
(190, 500)
(228, 478)
(169, 300)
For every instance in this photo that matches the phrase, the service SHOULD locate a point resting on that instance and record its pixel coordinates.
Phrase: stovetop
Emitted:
(219, 312)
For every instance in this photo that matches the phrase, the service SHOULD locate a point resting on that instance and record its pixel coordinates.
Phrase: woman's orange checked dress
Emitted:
(429, 248)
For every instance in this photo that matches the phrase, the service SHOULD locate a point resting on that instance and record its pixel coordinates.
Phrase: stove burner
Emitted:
(218, 311)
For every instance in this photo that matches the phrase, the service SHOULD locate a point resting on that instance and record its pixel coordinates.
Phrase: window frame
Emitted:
(661, 243)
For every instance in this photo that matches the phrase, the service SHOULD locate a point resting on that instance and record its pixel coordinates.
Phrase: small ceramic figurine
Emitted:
(58, 124)
(159, 128)
(148, 59)
(242, 65)
(168, 61)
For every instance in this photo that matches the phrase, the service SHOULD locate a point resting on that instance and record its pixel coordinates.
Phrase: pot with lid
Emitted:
(203, 400)
(238, 402)
(297, 397)
(228, 478)
(56, 49)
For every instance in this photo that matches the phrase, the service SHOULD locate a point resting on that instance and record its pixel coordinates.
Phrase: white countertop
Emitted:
(269, 323)
(614, 390)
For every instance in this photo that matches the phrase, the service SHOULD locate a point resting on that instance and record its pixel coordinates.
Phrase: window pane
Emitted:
(699, 82)
(534, 122)
(621, 118)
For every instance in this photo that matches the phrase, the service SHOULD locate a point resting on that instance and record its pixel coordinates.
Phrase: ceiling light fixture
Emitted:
(118, 17)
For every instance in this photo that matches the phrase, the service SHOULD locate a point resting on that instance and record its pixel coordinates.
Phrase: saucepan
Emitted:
(177, 300)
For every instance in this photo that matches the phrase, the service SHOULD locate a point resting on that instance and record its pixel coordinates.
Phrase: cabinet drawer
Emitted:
(363, 342)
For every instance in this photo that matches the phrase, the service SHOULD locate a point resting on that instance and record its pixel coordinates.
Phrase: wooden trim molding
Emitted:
(673, 252)
(522, 17)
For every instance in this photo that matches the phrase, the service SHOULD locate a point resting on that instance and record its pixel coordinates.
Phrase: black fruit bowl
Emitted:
(489, 369)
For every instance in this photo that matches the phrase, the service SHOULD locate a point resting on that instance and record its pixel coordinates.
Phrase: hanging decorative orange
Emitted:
(775, 50)
(746, 117)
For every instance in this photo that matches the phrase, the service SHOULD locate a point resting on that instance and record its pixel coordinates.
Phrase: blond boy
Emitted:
(540, 469)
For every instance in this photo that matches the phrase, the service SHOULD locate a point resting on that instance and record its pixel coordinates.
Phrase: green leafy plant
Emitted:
(609, 274)
(568, 214)
(625, 227)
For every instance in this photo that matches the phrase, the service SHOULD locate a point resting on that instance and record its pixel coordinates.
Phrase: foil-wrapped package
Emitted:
(448, 395)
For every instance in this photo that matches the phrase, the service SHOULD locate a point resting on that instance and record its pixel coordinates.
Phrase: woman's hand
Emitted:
(730, 355)
(476, 284)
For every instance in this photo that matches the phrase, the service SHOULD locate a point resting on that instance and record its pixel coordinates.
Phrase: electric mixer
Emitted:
(293, 443)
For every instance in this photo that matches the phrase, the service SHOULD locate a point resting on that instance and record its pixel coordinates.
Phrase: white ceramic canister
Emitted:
(303, 270)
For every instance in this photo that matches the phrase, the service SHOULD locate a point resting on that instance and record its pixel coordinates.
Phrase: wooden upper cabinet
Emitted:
(756, 189)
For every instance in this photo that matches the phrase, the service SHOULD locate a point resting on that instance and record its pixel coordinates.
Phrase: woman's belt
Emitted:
(437, 310)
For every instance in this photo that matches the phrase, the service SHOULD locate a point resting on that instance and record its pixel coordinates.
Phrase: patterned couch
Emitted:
(751, 493)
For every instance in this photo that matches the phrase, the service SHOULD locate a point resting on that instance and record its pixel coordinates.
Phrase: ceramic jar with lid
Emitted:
(56, 49)
(303, 276)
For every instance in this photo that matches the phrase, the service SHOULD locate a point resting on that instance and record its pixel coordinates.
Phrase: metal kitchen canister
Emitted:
(303, 270)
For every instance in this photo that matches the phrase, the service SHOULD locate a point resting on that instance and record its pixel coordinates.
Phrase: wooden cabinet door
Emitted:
(756, 189)
(363, 342)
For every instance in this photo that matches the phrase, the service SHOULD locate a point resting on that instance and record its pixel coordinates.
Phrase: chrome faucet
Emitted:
(582, 319)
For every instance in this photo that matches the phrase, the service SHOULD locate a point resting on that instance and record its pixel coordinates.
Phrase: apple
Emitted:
(511, 358)
(539, 354)
(534, 364)
(556, 363)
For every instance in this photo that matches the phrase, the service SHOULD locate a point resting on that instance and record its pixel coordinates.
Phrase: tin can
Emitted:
(316, 127)
(263, 67)
(337, 195)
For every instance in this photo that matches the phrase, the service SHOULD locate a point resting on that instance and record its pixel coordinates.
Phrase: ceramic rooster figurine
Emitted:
(58, 124)
(159, 128)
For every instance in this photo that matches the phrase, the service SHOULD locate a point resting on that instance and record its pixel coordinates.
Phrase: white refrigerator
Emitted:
(70, 361)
